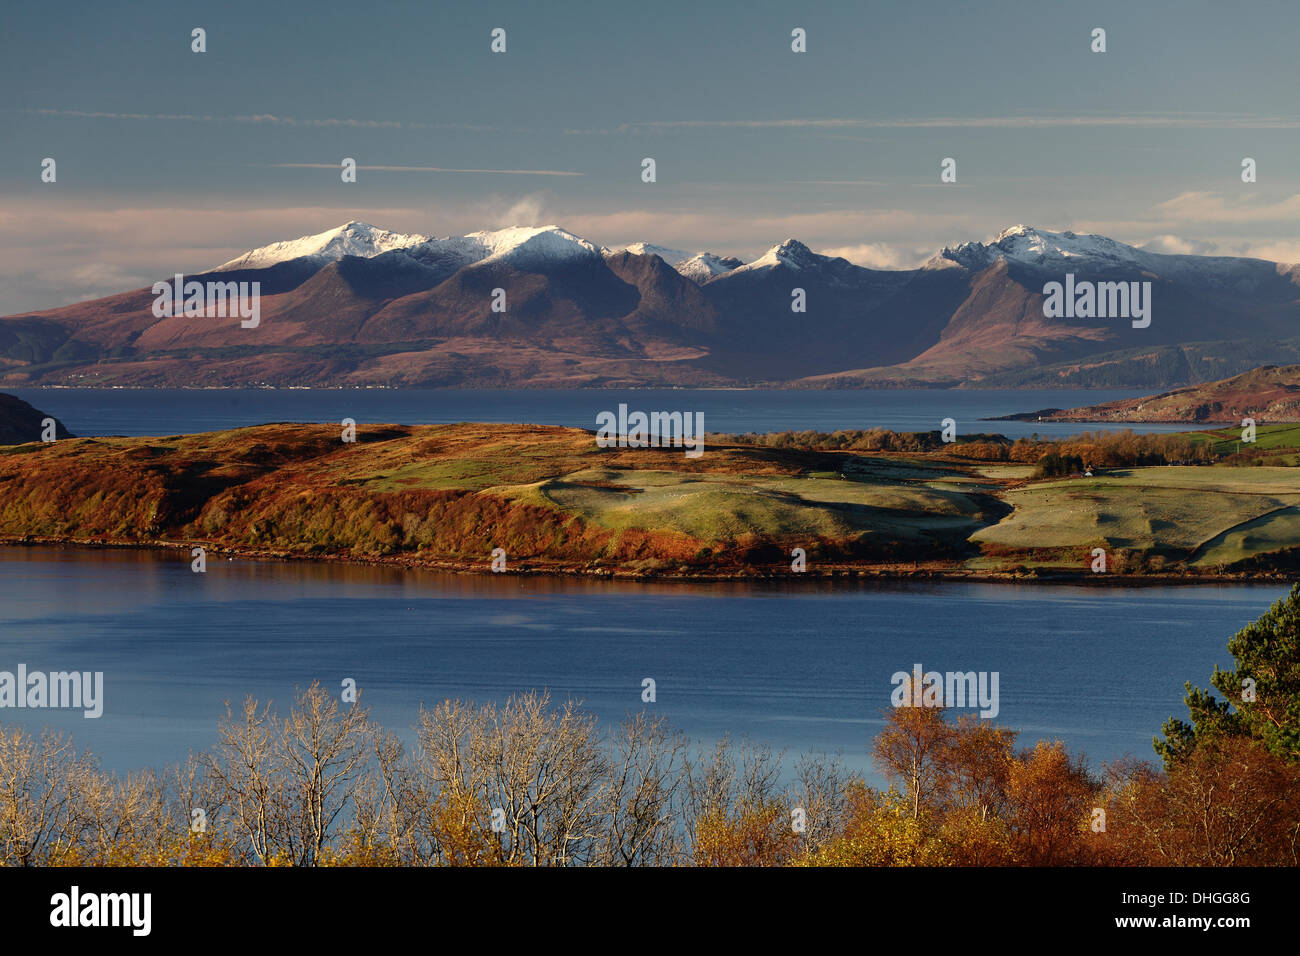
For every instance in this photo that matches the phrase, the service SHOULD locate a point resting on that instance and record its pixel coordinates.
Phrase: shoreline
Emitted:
(1190, 425)
(831, 572)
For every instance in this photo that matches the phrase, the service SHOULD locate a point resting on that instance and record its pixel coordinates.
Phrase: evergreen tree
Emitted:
(1261, 694)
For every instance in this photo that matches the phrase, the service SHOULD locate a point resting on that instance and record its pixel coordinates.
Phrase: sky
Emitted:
(174, 161)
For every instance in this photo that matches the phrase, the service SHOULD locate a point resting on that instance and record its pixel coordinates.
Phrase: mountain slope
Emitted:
(1270, 395)
(851, 314)
(1000, 333)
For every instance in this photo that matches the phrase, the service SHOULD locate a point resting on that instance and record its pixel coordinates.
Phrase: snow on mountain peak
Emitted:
(793, 250)
(518, 245)
(523, 245)
(703, 266)
(1039, 247)
(1020, 229)
(791, 253)
(526, 247)
(535, 247)
(350, 239)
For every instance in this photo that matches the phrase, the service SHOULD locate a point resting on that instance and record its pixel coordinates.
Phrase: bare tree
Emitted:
(544, 770)
(735, 787)
(246, 771)
(324, 750)
(643, 796)
(384, 807)
(539, 770)
(822, 790)
(39, 782)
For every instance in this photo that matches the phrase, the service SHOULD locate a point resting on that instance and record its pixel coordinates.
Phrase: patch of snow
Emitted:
(524, 246)
(1059, 251)
(531, 245)
(704, 266)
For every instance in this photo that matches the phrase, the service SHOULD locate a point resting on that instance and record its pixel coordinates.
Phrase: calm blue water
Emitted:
(806, 668)
(90, 412)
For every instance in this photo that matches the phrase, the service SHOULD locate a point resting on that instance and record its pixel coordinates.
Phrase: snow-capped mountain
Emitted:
(1037, 247)
(703, 266)
(791, 253)
(350, 239)
(526, 246)
(523, 246)
(699, 267)
(361, 305)
(793, 257)
(1060, 251)
(539, 246)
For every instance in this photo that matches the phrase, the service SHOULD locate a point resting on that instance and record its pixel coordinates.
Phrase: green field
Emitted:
(722, 507)
(1226, 441)
(1275, 531)
(1219, 515)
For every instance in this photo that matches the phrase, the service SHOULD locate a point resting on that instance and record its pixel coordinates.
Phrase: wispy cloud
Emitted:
(1184, 120)
(1202, 206)
(1150, 120)
(258, 118)
(54, 252)
(1285, 251)
(428, 169)
(59, 249)
(1179, 246)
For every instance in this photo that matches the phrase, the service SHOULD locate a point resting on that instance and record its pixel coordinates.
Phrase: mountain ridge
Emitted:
(361, 305)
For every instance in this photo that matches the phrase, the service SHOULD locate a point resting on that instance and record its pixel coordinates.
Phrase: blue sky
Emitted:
(174, 161)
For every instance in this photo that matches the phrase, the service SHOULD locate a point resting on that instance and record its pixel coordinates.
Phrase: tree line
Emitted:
(1117, 449)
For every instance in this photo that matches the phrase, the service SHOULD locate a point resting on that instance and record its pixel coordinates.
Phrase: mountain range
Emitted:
(361, 306)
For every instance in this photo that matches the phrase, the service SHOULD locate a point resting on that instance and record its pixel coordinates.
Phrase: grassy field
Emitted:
(1161, 508)
(1276, 531)
(1226, 441)
(727, 507)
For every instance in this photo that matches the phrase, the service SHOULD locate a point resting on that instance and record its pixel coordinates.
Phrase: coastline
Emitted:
(562, 570)
(450, 497)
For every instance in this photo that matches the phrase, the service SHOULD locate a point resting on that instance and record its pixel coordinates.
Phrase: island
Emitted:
(1105, 508)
